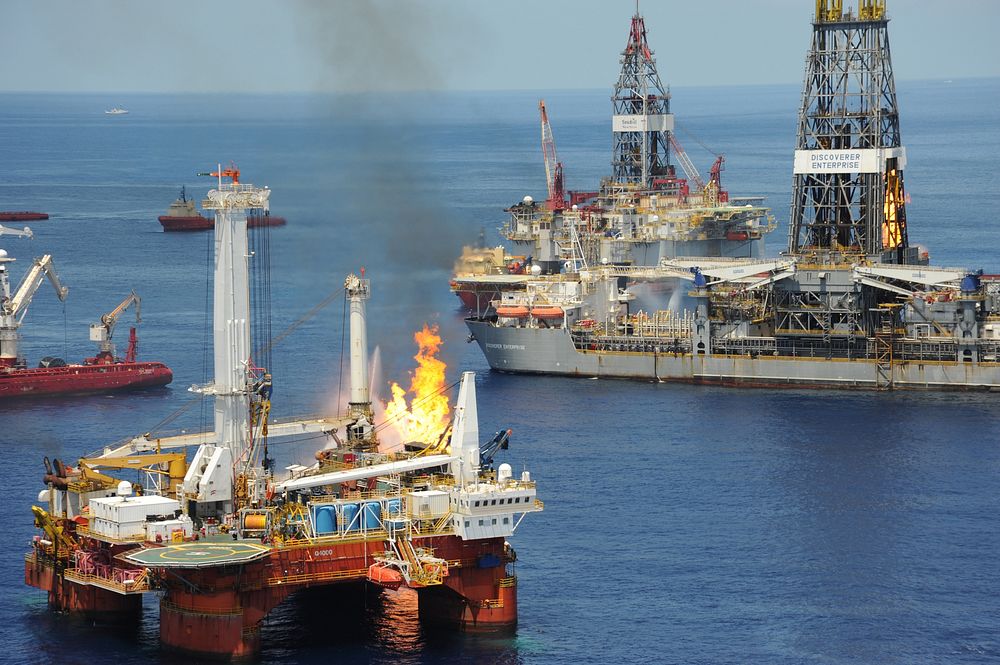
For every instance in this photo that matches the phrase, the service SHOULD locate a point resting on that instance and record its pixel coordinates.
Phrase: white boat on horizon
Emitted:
(117, 110)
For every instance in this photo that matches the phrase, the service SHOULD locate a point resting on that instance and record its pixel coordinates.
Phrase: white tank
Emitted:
(536, 270)
(527, 200)
(124, 488)
(525, 476)
(43, 496)
(504, 473)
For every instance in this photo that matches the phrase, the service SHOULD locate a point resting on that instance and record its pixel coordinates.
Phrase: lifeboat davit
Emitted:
(547, 312)
(390, 578)
(513, 311)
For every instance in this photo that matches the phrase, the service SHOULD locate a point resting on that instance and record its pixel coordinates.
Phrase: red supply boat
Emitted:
(22, 216)
(182, 215)
(103, 373)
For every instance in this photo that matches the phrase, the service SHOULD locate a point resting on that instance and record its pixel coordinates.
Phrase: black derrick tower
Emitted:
(847, 194)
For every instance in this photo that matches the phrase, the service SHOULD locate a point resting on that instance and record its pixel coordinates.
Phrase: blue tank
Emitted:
(372, 515)
(326, 519)
(394, 506)
(970, 283)
(349, 517)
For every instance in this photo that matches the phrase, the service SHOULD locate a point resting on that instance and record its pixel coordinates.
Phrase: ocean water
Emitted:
(682, 524)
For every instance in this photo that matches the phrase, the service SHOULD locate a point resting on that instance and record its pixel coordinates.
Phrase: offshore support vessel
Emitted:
(103, 373)
(851, 304)
(644, 212)
(183, 215)
(223, 539)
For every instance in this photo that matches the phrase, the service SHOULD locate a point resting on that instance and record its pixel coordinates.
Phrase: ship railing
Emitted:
(340, 538)
(629, 343)
(318, 576)
(430, 526)
(82, 530)
(744, 346)
(139, 583)
(487, 603)
(201, 611)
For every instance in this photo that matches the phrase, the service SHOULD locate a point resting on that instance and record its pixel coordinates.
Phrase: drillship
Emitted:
(644, 212)
(223, 539)
(850, 304)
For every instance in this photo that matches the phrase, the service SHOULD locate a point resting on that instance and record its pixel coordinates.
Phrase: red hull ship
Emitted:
(183, 216)
(22, 216)
(100, 374)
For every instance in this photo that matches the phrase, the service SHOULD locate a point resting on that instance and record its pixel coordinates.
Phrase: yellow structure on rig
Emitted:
(833, 10)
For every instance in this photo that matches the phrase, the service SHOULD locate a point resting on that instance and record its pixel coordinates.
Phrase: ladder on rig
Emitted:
(418, 565)
(885, 334)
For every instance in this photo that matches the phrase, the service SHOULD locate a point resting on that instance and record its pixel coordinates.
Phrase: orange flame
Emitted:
(427, 415)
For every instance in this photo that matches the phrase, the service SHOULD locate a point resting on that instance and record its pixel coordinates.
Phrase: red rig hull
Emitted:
(22, 216)
(82, 379)
(217, 611)
(200, 223)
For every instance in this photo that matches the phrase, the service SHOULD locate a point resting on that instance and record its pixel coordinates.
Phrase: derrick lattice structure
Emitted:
(848, 194)
(642, 122)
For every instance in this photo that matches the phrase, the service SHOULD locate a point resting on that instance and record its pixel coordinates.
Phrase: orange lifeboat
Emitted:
(513, 311)
(390, 578)
(547, 312)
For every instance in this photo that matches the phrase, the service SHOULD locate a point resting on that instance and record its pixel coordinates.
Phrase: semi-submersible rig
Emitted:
(851, 303)
(223, 539)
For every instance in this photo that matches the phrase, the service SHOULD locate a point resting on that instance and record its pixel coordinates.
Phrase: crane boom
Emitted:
(103, 331)
(17, 306)
(553, 167)
(7, 231)
(689, 170)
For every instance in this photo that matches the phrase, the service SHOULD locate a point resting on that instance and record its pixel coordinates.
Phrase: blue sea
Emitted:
(681, 525)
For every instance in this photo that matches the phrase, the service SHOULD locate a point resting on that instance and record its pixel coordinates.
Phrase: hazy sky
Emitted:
(334, 45)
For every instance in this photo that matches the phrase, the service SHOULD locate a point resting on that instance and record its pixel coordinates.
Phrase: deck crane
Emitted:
(689, 170)
(13, 308)
(715, 174)
(553, 167)
(7, 231)
(230, 172)
(103, 331)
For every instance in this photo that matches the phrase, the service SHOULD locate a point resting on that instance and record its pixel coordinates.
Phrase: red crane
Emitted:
(553, 167)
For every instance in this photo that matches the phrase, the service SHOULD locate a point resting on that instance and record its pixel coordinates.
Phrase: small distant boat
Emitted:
(117, 110)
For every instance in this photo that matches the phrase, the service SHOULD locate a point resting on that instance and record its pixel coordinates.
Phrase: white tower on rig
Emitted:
(358, 290)
(210, 476)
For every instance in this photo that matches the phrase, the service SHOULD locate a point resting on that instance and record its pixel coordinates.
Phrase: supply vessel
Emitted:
(225, 538)
(645, 211)
(104, 372)
(22, 216)
(183, 215)
(850, 304)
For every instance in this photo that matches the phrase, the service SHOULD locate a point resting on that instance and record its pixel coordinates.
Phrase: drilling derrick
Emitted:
(847, 194)
(642, 122)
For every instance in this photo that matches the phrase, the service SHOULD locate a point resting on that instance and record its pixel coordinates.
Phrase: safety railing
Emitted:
(139, 584)
(318, 576)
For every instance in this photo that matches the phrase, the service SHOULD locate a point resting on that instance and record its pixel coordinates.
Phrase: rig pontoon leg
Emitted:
(76, 598)
(223, 622)
(471, 600)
